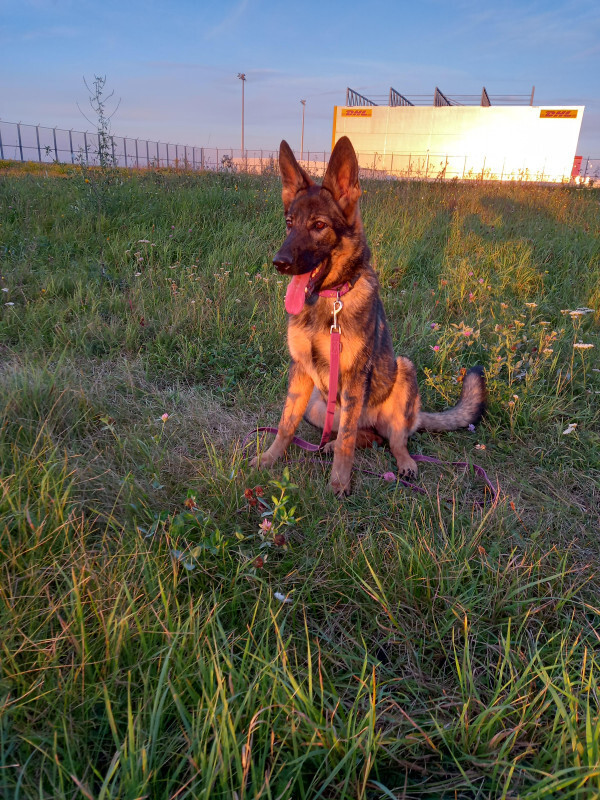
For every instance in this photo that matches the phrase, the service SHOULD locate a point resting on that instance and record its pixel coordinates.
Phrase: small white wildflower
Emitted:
(281, 597)
(4, 289)
(570, 428)
(137, 274)
(9, 304)
(582, 345)
(144, 241)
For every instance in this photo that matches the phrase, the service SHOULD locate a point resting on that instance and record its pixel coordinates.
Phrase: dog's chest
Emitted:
(312, 350)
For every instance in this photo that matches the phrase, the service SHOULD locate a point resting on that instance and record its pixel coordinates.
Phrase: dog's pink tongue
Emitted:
(296, 293)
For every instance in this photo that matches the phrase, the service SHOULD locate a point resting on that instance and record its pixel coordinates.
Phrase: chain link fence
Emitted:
(20, 142)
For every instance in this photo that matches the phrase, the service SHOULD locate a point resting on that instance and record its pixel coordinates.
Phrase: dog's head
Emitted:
(322, 221)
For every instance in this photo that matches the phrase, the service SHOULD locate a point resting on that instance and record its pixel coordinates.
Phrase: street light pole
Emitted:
(302, 139)
(242, 77)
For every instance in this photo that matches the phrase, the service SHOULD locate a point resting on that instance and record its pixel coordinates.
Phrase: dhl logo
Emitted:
(558, 113)
(357, 112)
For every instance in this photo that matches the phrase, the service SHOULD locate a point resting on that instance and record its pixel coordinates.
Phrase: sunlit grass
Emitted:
(160, 638)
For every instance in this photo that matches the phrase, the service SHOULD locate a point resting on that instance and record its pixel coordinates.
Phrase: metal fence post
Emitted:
(194, 158)
(112, 142)
(125, 150)
(55, 147)
(157, 156)
(86, 147)
(409, 164)
(1, 147)
(202, 159)
(37, 136)
(217, 159)
(147, 153)
(168, 165)
(137, 158)
(464, 167)
(427, 165)
(176, 156)
(586, 167)
(71, 145)
(19, 138)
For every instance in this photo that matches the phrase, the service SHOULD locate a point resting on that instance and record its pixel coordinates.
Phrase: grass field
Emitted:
(156, 642)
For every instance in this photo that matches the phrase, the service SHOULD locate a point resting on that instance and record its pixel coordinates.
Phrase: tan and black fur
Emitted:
(377, 392)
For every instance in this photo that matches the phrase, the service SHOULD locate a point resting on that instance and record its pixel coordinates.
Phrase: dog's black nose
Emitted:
(281, 263)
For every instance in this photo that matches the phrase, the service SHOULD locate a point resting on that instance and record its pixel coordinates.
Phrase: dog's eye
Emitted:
(319, 225)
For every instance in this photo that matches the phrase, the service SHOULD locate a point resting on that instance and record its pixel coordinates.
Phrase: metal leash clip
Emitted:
(337, 307)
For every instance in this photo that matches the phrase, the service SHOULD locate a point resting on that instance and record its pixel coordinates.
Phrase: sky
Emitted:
(173, 65)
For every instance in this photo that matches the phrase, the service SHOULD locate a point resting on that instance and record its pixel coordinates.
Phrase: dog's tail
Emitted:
(469, 410)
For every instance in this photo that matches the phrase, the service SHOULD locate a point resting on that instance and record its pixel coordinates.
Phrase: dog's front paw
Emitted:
(263, 460)
(340, 486)
(407, 469)
(407, 475)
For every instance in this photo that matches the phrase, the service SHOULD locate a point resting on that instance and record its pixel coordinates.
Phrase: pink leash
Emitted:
(334, 369)
(334, 372)
(390, 476)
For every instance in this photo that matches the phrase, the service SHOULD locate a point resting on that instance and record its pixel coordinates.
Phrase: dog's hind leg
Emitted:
(315, 415)
(398, 416)
(316, 411)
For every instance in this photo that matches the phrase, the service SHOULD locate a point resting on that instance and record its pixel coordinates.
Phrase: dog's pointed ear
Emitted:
(341, 178)
(293, 177)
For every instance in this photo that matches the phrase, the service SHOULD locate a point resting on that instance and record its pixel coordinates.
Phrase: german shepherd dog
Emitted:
(378, 396)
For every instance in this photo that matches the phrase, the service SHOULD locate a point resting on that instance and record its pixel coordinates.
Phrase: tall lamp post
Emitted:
(242, 77)
(302, 137)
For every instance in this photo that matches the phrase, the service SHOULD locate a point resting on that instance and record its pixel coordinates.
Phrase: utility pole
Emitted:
(242, 77)
(302, 138)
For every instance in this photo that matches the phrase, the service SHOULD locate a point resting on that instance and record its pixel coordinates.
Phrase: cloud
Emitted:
(228, 21)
